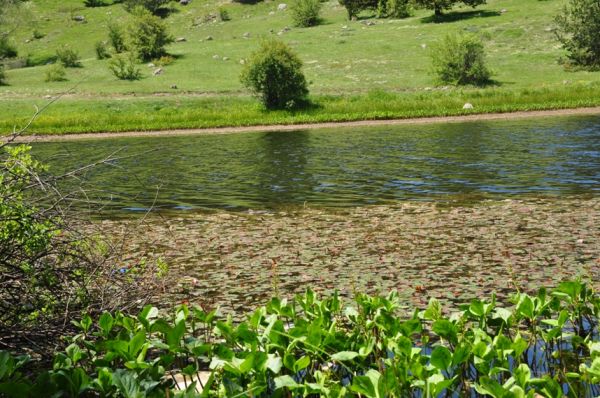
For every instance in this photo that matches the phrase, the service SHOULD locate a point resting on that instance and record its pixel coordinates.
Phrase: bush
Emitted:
(397, 9)
(124, 67)
(224, 14)
(68, 57)
(438, 6)
(56, 73)
(7, 49)
(151, 5)
(579, 32)
(274, 74)
(36, 34)
(460, 59)
(94, 3)
(116, 38)
(2, 76)
(101, 50)
(305, 13)
(148, 35)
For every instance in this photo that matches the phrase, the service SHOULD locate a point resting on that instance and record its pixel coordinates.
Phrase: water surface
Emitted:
(339, 168)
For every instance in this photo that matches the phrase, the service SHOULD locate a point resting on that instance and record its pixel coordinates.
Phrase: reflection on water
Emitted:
(343, 167)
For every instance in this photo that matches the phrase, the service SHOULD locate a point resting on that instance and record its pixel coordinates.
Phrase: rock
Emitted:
(271, 12)
(79, 18)
(368, 23)
(225, 58)
(503, 11)
(282, 7)
(208, 38)
(27, 41)
(157, 72)
(47, 96)
(423, 46)
(184, 2)
(565, 82)
(151, 65)
(286, 29)
(180, 39)
(216, 56)
(242, 61)
(549, 29)
(468, 106)
(174, 86)
(345, 27)
(246, 35)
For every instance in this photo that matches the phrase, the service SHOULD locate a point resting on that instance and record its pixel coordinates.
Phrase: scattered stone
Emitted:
(27, 40)
(242, 61)
(468, 106)
(503, 11)
(271, 12)
(345, 27)
(549, 29)
(428, 88)
(216, 56)
(565, 82)
(225, 58)
(79, 18)
(151, 65)
(246, 35)
(368, 23)
(47, 96)
(174, 86)
(157, 72)
(423, 46)
(286, 29)
(180, 39)
(208, 38)
(282, 7)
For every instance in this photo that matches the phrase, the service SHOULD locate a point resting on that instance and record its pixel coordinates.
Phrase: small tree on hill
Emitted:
(151, 5)
(148, 35)
(438, 6)
(459, 60)
(274, 73)
(579, 32)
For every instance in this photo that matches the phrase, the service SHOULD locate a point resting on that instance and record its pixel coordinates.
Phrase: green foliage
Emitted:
(101, 50)
(124, 67)
(459, 60)
(2, 75)
(116, 38)
(305, 13)
(224, 14)
(398, 8)
(68, 57)
(7, 49)
(150, 5)
(55, 73)
(320, 347)
(148, 35)
(274, 73)
(94, 3)
(440, 5)
(385, 8)
(579, 32)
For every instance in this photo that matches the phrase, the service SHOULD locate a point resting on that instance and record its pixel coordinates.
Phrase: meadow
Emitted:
(365, 69)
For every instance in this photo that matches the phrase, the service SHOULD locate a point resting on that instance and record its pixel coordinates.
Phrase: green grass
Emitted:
(344, 61)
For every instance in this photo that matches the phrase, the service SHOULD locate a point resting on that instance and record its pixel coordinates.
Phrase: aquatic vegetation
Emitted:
(543, 345)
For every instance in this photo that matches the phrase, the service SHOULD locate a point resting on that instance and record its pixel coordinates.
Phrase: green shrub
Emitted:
(101, 50)
(7, 49)
(124, 67)
(459, 60)
(56, 73)
(397, 9)
(2, 75)
(224, 14)
(579, 32)
(68, 57)
(438, 6)
(116, 38)
(274, 73)
(94, 3)
(151, 5)
(148, 35)
(305, 13)
(36, 34)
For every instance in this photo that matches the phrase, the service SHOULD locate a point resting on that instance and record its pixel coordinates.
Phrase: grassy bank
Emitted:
(81, 115)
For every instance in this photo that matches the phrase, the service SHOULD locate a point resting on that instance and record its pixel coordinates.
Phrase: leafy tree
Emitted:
(440, 5)
(148, 35)
(124, 68)
(2, 75)
(385, 8)
(151, 5)
(579, 32)
(274, 73)
(116, 39)
(305, 13)
(460, 59)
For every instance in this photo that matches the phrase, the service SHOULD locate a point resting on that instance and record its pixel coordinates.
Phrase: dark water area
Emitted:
(338, 168)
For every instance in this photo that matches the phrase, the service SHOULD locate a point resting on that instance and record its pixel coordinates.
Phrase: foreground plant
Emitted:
(545, 345)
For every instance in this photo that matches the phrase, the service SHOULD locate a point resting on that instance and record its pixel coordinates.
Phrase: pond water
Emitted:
(339, 168)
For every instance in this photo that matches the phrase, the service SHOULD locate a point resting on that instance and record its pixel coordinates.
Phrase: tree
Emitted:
(579, 32)
(151, 5)
(274, 73)
(440, 5)
(148, 35)
(460, 59)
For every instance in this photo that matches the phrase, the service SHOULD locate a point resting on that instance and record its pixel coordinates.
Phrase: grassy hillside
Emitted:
(341, 58)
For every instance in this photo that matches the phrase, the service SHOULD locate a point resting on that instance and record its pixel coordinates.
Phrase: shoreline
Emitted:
(589, 111)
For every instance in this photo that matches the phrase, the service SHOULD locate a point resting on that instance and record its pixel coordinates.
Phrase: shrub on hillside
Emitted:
(274, 73)
(7, 49)
(305, 13)
(224, 14)
(56, 73)
(439, 6)
(579, 32)
(384, 8)
(124, 67)
(2, 76)
(398, 8)
(68, 57)
(148, 35)
(101, 50)
(459, 60)
(94, 3)
(116, 38)
(150, 5)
